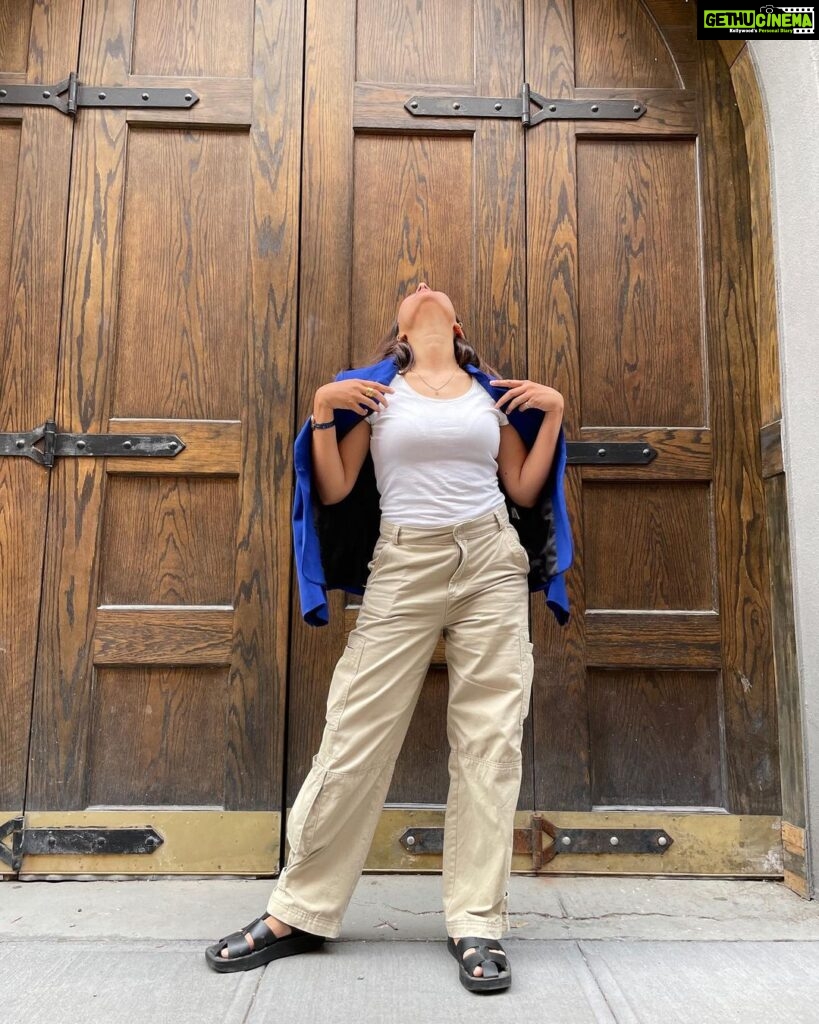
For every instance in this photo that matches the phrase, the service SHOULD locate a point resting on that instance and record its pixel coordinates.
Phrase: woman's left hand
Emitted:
(528, 394)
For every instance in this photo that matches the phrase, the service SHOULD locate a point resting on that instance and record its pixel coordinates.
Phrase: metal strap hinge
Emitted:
(609, 453)
(67, 96)
(520, 107)
(54, 445)
(528, 841)
(73, 841)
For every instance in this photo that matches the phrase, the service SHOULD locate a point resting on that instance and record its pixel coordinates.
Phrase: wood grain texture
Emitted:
(422, 169)
(428, 42)
(157, 735)
(210, 37)
(639, 299)
(179, 315)
(39, 41)
(15, 31)
(771, 440)
(671, 720)
(748, 690)
(211, 447)
(749, 101)
(163, 636)
(168, 540)
(183, 204)
(648, 545)
(559, 716)
(681, 639)
(635, 50)
(770, 449)
(788, 690)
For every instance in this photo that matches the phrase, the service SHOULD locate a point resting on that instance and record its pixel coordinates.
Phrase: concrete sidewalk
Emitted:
(623, 950)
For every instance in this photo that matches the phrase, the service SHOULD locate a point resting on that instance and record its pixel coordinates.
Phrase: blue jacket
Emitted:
(334, 543)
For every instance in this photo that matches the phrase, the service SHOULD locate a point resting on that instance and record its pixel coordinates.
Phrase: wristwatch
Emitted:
(320, 426)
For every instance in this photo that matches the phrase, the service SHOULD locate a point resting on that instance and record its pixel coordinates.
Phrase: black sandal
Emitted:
(493, 978)
(267, 946)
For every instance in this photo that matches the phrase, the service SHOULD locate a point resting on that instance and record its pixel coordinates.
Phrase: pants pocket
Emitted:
(380, 550)
(527, 671)
(520, 556)
(343, 676)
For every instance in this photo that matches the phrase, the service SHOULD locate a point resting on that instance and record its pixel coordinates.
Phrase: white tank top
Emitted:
(435, 459)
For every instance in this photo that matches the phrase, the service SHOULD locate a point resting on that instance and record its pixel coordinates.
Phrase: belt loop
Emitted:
(498, 518)
(397, 534)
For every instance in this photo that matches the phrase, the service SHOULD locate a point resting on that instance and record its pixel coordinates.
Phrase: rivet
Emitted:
(51, 841)
(553, 107)
(456, 106)
(100, 842)
(3, 92)
(21, 443)
(601, 452)
(646, 451)
(81, 444)
(410, 840)
(414, 104)
(145, 96)
(101, 95)
(46, 94)
(128, 444)
(498, 106)
(662, 841)
(173, 445)
(566, 840)
(614, 841)
(636, 108)
(595, 108)
(188, 97)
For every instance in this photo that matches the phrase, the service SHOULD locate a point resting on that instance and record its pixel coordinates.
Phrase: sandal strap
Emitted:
(237, 945)
(262, 934)
(483, 954)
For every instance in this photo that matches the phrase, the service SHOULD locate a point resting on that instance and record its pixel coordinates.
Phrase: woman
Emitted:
(447, 558)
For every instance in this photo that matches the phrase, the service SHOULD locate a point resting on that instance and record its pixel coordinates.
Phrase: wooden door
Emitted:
(36, 45)
(611, 260)
(158, 696)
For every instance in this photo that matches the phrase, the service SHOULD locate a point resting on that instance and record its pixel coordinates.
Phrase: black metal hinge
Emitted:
(73, 841)
(94, 446)
(609, 453)
(67, 96)
(520, 107)
(564, 840)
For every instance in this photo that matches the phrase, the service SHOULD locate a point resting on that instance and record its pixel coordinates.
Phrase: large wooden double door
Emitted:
(196, 271)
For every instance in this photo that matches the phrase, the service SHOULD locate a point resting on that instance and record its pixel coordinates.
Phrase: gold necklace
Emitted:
(436, 390)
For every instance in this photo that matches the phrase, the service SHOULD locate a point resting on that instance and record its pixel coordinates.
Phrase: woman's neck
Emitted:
(433, 354)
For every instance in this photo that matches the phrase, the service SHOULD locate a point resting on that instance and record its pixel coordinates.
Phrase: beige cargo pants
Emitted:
(468, 580)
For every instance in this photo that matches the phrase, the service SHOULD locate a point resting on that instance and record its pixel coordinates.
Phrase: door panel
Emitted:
(39, 44)
(653, 709)
(159, 689)
(591, 255)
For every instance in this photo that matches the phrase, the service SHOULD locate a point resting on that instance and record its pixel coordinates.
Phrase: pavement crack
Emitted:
(415, 913)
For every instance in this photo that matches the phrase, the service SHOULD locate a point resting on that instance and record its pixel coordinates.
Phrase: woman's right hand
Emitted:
(350, 394)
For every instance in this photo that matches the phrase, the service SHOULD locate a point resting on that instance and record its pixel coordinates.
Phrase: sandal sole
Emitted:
(286, 946)
(475, 984)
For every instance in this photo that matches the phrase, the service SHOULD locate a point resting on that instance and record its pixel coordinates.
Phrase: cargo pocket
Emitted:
(343, 676)
(527, 671)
